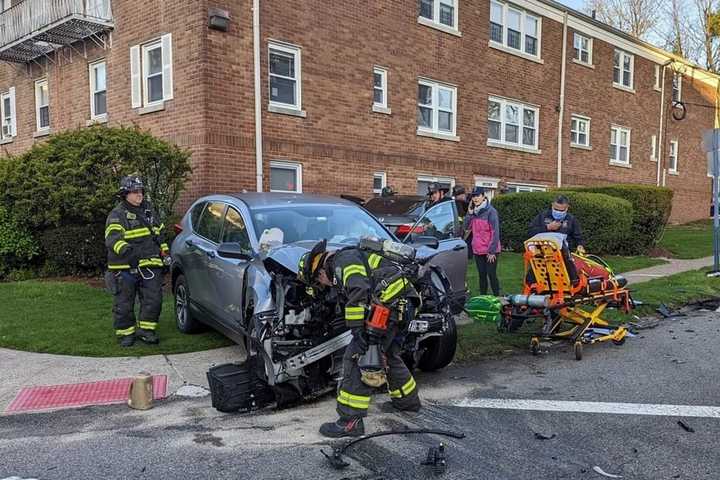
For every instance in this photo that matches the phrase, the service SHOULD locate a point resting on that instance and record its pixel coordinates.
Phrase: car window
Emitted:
(235, 231)
(438, 222)
(211, 221)
(195, 213)
(395, 205)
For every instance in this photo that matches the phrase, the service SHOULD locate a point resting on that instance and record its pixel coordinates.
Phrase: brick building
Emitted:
(528, 94)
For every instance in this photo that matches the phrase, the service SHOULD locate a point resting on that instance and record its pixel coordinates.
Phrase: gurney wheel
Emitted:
(535, 345)
(619, 342)
(578, 350)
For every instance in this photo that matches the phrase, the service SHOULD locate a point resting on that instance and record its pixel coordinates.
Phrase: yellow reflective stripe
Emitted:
(354, 313)
(125, 332)
(374, 260)
(157, 230)
(393, 289)
(118, 246)
(354, 401)
(147, 325)
(152, 262)
(112, 227)
(164, 247)
(137, 233)
(405, 390)
(352, 270)
(395, 393)
(118, 267)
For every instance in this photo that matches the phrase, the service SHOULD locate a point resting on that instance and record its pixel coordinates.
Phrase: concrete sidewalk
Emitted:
(673, 266)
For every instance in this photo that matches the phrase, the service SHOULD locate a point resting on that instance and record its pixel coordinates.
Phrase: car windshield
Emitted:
(399, 206)
(336, 223)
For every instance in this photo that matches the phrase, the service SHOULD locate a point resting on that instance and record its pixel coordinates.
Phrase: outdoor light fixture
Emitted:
(218, 19)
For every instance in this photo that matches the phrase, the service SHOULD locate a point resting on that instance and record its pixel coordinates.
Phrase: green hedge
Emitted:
(605, 220)
(651, 211)
(17, 246)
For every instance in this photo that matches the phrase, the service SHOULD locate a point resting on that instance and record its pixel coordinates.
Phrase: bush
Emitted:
(605, 220)
(17, 246)
(651, 211)
(73, 249)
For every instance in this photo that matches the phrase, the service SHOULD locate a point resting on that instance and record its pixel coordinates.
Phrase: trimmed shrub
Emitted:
(17, 246)
(651, 210)
(73, 249)
(605, 220)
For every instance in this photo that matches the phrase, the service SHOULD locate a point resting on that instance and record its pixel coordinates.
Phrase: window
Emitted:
(235, 231)
(583, 48)
(438, 222)
(98, 90)
(42, 105)
(443, 12)
(519, 187)
(7, 112)
(379, 182)
(658, 77)
(195, 214)
(380, 101)
(285, 177)
(423, 182)
(211, 222)
(151, 73)
(620, 145)
(623, 69)
(580, 131)
(515, 29)
(6, 4)
(677, 87)
(653, 148)
(673, 157)
(285, 76)
(436, 108)
(512, 123)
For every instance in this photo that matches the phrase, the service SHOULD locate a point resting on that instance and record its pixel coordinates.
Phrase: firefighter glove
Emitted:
(361, 340)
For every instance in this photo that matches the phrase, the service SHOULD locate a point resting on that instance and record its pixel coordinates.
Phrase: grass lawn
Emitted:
(692, 240)
(76, 319)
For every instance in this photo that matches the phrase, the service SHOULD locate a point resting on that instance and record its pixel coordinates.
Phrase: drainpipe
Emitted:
(258, 98)
(662, 116)
(562, 102)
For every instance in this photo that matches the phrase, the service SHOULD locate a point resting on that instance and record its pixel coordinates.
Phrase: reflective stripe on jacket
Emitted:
(130, 231)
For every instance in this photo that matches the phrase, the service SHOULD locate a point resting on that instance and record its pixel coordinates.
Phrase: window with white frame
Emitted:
(7, 112)
(620, 145)
(98, 90)
(379, 182)
(658, 77)
(443, 12)
(677, 87)
(424, 181)
(582, 46)
(514, 28)
(580, 131)
(285, 177)
(42, 105)
(512, 123)
(284, 74)
(623, 69)
(380, 87)
(151, 72)
(520, 187)
(653, 148)
(436, 107)
(673, 157)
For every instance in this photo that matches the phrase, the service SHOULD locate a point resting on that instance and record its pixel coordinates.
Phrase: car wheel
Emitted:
(439, 351)
(184, 318)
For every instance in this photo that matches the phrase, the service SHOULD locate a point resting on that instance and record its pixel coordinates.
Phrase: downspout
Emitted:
(661, 129)
(258, 98)
(562, 102)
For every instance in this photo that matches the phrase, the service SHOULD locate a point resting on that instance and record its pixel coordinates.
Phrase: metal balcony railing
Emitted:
(33, 28)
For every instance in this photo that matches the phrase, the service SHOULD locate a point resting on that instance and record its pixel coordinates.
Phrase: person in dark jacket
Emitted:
(557, 219)
(483, 223)
(137, 252)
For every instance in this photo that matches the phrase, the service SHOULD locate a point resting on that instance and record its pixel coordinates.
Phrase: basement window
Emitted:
(285, 177)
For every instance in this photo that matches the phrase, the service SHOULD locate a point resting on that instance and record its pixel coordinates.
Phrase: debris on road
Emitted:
(192, 391)
(436, 459)
(602, 472)
(666, 313)
(644, 323)
(544, 436)
(685, 426)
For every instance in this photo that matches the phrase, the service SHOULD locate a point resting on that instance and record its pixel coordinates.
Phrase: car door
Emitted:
(441, 222)
(227, 275)
(201, 248)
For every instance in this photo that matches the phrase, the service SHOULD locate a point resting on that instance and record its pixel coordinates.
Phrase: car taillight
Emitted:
(408, 228)
(178, 229)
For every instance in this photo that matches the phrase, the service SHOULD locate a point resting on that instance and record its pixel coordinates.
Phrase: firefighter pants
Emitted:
(354, 396)
(148, 287)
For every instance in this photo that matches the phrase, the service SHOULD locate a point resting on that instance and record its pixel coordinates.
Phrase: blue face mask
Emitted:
(558, 215)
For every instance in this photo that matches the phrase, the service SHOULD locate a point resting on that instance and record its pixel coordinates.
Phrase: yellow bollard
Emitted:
(140, 396)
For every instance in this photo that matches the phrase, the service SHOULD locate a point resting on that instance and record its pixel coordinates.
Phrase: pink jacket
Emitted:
(485, 227)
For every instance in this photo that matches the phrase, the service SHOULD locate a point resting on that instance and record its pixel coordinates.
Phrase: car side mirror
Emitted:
(426, 240)
(233, 250)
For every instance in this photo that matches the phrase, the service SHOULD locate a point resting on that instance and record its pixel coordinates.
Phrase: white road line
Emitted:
(593, 407)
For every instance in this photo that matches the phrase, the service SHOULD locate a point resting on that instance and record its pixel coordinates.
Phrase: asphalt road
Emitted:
(660, 374)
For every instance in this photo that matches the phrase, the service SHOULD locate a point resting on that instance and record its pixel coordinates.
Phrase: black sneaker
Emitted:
(353, 427)
(127, 340)
(148, 336)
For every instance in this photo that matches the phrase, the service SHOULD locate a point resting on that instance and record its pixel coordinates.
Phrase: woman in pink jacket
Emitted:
(482, 220)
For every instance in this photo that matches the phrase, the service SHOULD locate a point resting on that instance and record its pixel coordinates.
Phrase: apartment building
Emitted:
(351, 96)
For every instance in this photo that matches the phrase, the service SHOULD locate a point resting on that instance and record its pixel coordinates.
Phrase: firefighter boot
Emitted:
(127, 340)
(351, 427)
(148, 336)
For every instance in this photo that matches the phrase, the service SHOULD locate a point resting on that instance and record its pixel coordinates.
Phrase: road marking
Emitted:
(593, 407)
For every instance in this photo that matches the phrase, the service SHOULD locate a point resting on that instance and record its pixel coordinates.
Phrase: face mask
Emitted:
(558, 215)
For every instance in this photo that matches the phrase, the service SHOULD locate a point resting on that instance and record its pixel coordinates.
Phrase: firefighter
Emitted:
(137, 253)
(437, 192)
(354, 272)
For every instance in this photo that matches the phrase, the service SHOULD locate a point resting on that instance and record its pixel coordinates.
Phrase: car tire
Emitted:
(439, 351)
(184, 318)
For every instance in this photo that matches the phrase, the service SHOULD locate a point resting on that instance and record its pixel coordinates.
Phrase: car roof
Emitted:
(272, 199)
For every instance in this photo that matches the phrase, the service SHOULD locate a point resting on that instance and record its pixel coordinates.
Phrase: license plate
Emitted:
(418, 326)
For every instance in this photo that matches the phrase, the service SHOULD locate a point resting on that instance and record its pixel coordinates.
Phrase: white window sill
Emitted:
(438, 135)
(653, 159)
(379, 109)
(657, 89)
(673, 172)
(582, 147)
(151, 108)
(623, 88)
(295, 112)
(96, 121)
(439, 26)
(512, 51)
(42, 133)
(620, 164)
(5, 141)
(517, 148)
(587, 65)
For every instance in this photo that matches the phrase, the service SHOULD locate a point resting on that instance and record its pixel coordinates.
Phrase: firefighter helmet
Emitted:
(131, 183)
(311, 262)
